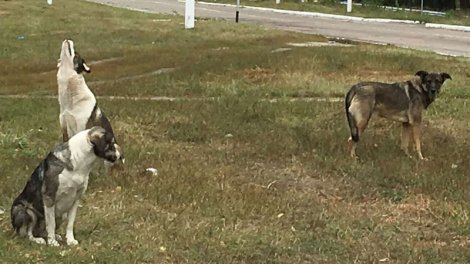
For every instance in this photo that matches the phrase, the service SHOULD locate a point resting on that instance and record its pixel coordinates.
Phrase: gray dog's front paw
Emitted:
(52, 242)
(72, 242)
(38, 240)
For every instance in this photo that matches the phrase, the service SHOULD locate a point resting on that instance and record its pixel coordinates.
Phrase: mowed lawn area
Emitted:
(246, 174)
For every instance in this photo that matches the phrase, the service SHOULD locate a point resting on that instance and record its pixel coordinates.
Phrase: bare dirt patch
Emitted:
(319, 44)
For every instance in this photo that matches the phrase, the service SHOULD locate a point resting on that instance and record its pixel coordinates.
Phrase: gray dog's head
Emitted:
(432, 82)
(103, 144)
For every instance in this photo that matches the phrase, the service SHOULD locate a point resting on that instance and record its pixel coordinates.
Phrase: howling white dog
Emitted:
(53, 191)
(78, 107)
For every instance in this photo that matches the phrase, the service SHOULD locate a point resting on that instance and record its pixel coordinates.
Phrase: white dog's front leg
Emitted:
(49, 213)
(71, 241)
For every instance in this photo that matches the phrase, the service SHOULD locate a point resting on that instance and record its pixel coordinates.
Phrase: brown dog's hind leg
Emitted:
(416, 137)
(360, 112)
(406, 134)
(352, 148)
(361, 126)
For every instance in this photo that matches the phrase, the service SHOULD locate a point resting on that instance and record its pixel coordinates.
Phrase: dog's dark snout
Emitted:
(112, 157)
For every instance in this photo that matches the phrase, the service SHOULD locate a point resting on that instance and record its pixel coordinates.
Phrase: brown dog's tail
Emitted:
(351, 121)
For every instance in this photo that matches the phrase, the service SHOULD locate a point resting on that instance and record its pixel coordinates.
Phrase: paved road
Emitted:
(404, 35)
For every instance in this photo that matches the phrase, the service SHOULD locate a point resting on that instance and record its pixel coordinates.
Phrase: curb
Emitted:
(345, 18)
(304, 13)
(317, 14)
(386, 20)
(445, 26)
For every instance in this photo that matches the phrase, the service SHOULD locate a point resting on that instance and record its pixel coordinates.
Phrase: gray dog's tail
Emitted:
(351, 120)
(22, 216)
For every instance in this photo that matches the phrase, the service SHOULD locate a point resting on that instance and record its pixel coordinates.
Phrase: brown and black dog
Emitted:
(402, 101)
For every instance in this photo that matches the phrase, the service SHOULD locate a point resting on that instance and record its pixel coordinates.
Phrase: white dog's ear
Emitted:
(87, 69)
(79, 64)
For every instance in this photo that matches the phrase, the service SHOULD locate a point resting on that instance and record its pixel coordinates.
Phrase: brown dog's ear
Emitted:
(422, 74)
(445, 76)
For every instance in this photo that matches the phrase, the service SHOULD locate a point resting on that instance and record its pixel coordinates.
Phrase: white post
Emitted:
(278, 2)
(349, 6)
(49, 2)
(189, 14)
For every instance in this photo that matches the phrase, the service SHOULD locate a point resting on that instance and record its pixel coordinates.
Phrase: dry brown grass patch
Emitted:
(259, 74)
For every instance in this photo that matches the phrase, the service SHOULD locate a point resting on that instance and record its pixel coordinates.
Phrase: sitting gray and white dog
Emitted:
(78, 107)
(54, 189)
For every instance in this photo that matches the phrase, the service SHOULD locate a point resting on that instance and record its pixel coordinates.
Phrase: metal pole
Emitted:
(238, 11)
(422, 6)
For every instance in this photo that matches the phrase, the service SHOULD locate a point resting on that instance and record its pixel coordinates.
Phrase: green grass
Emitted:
(241, 179)
(142, 44)
(368, 11)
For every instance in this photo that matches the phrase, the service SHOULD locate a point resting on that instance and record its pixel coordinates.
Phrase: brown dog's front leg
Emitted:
(417, 140)
(406, 133)
(352, 148)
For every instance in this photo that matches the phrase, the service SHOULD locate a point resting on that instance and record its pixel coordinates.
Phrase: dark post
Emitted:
(464, 5)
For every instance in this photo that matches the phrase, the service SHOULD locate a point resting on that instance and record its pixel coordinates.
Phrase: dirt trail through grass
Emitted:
(171, 99)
